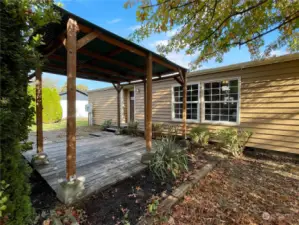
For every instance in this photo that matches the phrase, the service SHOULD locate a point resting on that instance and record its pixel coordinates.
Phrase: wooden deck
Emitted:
(102, 161)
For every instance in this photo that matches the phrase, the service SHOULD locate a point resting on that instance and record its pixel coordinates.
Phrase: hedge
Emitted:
(52, 110)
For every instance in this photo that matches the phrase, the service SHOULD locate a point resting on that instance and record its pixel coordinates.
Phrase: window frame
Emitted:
(198, 103)
(238, 102)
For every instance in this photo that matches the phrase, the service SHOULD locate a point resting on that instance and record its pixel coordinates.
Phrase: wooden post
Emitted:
(144, 99)
(71, 41)
(149, 74)
(118, 88)
(118, 108)
(184, 128)
(39, 111)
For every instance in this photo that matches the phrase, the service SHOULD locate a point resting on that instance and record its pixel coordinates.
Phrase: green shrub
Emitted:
(106, 124)
(169, 160)
(18, 54)
(133, 128)
(233, 139)
(157, 129)
(52, 110)
(3, 197)
(200, 135)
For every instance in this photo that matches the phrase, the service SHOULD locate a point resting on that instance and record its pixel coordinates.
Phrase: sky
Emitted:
(111, 15)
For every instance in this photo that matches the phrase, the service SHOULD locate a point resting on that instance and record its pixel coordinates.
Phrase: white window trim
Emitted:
(238, 103)
(198, 104)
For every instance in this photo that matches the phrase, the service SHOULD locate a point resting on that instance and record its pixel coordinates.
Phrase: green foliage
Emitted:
(152, 208)
(234, 139)
(3, 197)
(133, 128)
(19, 20)
(106, 124)
(211, 28)
(200, 135)
(52, 110)
(169, 160)
(157, 129)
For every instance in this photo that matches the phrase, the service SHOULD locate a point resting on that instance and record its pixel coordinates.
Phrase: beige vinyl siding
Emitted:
(269, 104)
(104, 104)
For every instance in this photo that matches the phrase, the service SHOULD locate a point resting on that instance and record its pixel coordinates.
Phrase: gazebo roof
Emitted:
(106, 56)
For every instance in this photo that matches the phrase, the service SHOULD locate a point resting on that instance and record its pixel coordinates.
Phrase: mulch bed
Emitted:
(243, 191)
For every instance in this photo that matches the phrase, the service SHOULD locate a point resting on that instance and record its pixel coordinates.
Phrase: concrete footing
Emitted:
(69, 192)
(39, 159)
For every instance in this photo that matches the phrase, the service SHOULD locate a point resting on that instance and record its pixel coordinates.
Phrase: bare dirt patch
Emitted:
(243, 191)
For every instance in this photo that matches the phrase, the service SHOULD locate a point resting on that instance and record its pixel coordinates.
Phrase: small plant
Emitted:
(234, 139)
(157, 129)
(152, 208)
(106, 124)
(133, 128)
(169, 160)
(200, 135)
(3, 199)
(125, 219)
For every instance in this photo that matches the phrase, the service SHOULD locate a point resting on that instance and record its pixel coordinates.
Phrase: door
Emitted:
(132, 100)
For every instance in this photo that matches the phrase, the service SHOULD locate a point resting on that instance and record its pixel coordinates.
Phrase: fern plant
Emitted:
(169, 160)
(200, 135)
(234, 139)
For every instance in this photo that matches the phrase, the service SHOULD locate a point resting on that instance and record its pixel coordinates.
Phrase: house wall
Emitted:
(81, 101)
(104, 105)
(269, 104)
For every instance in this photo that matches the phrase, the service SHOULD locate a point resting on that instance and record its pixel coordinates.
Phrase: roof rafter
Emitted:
(126, 47)
(110, 60)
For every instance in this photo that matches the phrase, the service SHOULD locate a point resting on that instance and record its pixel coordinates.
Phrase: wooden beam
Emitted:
(110, 60)
(118, 89)
(156, 79)
(144, 102)
(115, 52)
(149, 74)
(111, 72)
(128, 47)
(168, 65)
(113, 41)
(71, 99)
(184, 127)
(56, 44)
(179, 80)
(39, 111)
(86, 39)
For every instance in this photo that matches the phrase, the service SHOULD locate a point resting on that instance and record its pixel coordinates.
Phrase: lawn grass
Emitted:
(60, 125)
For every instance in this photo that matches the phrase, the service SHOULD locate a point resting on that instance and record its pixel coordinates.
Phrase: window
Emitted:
(221, 101)
(192, 102)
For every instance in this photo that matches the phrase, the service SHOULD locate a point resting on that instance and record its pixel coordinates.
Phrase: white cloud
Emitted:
(159, 42)
(278, 52)
(116, 20)
(133, 28)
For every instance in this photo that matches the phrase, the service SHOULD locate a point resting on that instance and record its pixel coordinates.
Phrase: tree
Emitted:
(18, 54)
(52, 110)
(80, 87)
(210, 28)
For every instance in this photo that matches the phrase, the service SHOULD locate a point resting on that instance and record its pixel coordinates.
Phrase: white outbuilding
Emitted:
(81, 101)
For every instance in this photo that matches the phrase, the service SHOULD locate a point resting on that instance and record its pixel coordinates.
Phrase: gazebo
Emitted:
(77, 48)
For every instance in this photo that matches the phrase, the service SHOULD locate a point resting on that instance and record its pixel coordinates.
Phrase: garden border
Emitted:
(179, 192)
